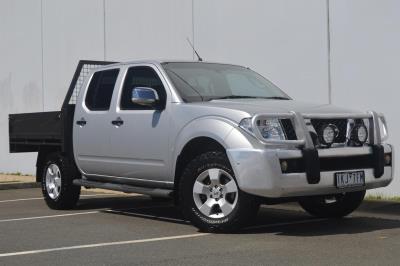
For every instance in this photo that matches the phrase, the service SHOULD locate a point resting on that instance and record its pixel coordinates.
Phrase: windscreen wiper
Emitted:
(236, 97)
(249, 97)
(277, 98)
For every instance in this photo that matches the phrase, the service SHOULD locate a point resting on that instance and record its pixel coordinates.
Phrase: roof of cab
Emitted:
(158, 62)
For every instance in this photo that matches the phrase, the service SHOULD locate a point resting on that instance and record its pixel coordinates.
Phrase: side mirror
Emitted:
(144, 96)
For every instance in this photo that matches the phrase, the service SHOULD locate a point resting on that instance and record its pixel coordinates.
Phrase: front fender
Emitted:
(216, 128)
(220, 129)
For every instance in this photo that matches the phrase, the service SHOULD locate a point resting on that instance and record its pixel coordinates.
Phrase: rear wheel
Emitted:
(57, 188)
(334, 206)
(210, 197)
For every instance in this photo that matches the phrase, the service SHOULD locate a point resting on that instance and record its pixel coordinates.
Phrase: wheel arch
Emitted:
(43, 153)
(192, 149)
(202, 135)
(206, 130)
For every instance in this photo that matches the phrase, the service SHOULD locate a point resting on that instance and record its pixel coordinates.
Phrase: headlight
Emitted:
(269, 128)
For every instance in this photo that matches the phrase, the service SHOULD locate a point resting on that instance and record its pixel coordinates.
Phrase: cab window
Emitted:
(100, 91)
(141, 76)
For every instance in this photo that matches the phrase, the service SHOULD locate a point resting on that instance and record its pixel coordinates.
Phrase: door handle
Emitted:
(118, 122)
(81, 122)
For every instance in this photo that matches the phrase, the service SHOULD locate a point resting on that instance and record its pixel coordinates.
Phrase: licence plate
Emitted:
(350, 179)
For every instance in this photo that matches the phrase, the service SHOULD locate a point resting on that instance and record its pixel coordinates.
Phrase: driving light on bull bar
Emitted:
(328, 133)
(359, 134)
(269, 128)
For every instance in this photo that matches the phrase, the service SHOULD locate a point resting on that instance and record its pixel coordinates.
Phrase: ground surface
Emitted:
(118, 229)
(8, 178)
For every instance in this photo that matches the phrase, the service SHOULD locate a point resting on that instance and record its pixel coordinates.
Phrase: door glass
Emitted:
(142, 76)
(101, 87)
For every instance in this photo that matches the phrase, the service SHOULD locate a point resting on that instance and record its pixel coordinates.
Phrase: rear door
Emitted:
(91, 128)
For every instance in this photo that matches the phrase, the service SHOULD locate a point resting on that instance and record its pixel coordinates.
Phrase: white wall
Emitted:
(285, 41)
(366, 61)
(72, 30)
(20, 72)
(148, 29)
(41, 42)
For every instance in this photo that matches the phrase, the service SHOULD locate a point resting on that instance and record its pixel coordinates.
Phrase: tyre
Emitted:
(209, 195)
(335, 206)
(160, 199)
(57, 188)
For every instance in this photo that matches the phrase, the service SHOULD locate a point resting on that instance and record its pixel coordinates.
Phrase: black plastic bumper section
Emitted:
(378, 158)
(312, 165)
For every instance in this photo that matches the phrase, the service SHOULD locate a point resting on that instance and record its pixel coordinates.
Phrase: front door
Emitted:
(139, 143)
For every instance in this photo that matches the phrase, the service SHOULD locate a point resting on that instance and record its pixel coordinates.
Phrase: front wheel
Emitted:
(334, 206)
(57, 187)
(210, 197)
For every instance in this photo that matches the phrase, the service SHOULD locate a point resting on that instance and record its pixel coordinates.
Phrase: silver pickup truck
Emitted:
(219, 139)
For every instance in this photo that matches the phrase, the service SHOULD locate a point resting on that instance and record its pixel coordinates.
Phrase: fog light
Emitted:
(284, 166)
(388, 159)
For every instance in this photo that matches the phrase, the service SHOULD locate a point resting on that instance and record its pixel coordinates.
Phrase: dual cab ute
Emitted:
(218, 138)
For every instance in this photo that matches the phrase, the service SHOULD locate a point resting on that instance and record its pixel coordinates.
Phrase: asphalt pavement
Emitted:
(115, 229)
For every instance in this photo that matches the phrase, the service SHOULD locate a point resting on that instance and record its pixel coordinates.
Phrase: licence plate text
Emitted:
(350, 179)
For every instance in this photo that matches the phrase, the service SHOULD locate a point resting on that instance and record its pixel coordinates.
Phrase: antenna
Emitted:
(194, 50)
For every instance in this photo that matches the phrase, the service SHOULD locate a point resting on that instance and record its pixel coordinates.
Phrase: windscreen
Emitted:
(196, 81)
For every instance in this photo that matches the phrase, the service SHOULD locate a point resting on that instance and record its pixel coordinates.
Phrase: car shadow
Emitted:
(298, 223)
(289, 220)
(118, 202)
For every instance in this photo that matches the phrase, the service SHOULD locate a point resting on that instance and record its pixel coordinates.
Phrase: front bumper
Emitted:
(258, 172)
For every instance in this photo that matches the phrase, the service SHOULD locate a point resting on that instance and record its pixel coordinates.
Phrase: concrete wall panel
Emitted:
(148, 29)
(72, 30)
(20, 73)
(283, 40)
(366, 60)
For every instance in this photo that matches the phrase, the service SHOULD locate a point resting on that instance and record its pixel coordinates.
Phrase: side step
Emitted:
(155, 192)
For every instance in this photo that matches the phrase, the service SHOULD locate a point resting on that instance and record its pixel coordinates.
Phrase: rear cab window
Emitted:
(100, 90)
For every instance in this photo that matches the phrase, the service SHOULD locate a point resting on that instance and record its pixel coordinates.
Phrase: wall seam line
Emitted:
(104, 29)
(42, 50)
(194, 43)
(328, 33)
